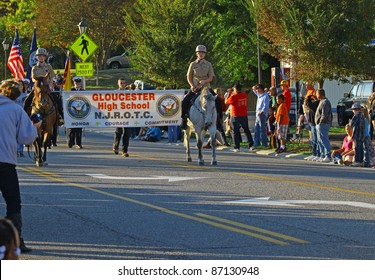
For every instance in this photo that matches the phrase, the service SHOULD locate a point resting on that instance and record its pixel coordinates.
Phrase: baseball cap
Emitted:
(284, 83)
(356, 106)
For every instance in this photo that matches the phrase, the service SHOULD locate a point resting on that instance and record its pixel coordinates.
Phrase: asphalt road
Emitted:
(91, 204)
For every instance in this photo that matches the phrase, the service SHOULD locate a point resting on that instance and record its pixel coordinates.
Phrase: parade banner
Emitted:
(122, 108)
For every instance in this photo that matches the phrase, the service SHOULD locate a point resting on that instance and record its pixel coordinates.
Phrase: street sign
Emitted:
(84, 47)
(85, 69)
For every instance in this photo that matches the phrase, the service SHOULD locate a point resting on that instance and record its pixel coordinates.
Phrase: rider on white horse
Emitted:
(200, 74)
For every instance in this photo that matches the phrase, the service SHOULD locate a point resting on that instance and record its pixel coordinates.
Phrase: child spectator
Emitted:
(9, 241)
(345, 154)
(358, 125)
(271, 127)
(282, 123)
(153, 134)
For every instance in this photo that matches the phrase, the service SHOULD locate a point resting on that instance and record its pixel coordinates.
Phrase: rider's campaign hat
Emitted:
(77, 79)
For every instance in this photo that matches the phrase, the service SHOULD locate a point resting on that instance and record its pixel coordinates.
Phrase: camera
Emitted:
(35, 118)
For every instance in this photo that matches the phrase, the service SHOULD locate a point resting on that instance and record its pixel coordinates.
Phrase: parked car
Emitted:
(293, 106)
(119, 61)
(358, 93)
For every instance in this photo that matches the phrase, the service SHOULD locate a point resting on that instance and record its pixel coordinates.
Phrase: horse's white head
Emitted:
(208, 105)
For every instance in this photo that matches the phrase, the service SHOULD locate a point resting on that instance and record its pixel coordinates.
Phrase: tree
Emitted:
(323, 39)
(230, 31)
(57, 23)
(165, 33)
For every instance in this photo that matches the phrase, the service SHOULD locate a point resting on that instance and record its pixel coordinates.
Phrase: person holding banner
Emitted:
(125, 132)
(74, 135)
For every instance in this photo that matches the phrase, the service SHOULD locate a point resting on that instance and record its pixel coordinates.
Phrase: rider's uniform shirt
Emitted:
(42, 70)
(200, 70)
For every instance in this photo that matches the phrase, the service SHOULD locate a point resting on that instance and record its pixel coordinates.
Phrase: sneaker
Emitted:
(357, 164)
(326, 159)
(308, 157)
(317, 159)
(125, 154)
(252, 149)
(136, 138)
(235, 150)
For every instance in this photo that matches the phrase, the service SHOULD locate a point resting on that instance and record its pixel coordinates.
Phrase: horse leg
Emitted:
(45, 146)
(213, 145)
(187, 143)
(38, 152)
(200, 137)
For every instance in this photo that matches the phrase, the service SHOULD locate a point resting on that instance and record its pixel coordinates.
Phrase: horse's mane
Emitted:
(41, 84)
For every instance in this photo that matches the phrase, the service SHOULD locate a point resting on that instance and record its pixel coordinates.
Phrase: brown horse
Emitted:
(43, 105)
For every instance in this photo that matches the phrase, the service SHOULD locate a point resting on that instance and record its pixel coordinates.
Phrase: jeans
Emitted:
(359, 153)
(323, 139)
(314, 142)
(236, 123)
(366, 151)
(172, 133)
(10, 188)
(260, 130)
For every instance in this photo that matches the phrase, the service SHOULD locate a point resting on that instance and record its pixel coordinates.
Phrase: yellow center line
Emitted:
(51, 176)
(207, 168)
(265, 231)
(304, 184)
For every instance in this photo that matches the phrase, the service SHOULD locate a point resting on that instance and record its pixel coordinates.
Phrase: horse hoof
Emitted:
(189, 160)
(200, 163)
(45, 163)
(214, 162)
(39, 164)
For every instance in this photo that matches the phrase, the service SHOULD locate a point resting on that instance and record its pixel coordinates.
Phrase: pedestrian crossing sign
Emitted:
(84, 47)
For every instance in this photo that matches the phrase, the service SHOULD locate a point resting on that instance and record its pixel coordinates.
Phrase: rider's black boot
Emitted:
(185, 106)
(184, 123)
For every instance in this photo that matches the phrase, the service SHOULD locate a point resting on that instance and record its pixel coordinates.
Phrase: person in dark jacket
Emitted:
(358, 125)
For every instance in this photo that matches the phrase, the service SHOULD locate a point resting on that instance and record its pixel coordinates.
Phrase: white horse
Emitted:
(202, 117)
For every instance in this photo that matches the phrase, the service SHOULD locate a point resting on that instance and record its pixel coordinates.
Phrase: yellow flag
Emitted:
(67, 84)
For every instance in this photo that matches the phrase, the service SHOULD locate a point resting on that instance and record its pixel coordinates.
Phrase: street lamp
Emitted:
(6, 45)
(82, 26)
(259, 53)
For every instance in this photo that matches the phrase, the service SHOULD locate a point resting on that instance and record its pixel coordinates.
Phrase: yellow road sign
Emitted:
(84, 47)
(85, 69)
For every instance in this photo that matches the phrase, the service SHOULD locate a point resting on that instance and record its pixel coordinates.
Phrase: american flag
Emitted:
(15, 61)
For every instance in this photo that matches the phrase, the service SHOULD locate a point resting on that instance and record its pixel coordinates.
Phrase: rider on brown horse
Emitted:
(42, 70)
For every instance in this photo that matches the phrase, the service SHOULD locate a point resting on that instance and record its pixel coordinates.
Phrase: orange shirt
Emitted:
(287, 98)
(239, 104)
(282, 114)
